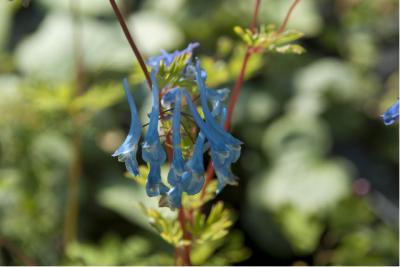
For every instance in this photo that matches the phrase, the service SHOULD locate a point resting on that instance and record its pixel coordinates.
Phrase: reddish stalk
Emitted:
(235, 95)
(128, 36)
(286, 20)
(240, 79)
(255, 15)
(182, 254)
(184, 251)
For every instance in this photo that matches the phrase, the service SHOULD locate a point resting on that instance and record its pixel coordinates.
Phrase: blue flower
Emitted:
(127, 151)
(183, 177)
(392, 114)
(168, 58)
(193, 177)
(224, 150)
(152, 151)
(178, 163)
(217, 97)
(169, 98)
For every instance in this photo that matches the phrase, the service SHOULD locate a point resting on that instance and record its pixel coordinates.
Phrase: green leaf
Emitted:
(288, 36)
(245, 34)
(294, 49)
(213, 227)
(169, 229)
(98, 97)
(225, 251)
(302, 230)
(171, 75)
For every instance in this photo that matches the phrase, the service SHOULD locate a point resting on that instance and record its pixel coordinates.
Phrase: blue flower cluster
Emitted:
(185, 175)
(392, 114)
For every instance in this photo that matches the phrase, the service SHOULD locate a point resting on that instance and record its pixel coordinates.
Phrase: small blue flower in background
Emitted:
(152, 151)
(127, 151)
(392, 114)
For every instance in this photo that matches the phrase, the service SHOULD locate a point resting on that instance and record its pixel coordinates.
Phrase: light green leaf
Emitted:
(211, 227)
(98, 97)
(294, 49)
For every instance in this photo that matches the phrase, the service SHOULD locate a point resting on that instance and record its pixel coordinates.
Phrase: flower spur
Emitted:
(128, 150)
(152, 151)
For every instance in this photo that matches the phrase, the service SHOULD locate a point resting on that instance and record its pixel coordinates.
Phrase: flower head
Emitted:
(186, 174)
(168, 58)
(392, 114)
(127, 151)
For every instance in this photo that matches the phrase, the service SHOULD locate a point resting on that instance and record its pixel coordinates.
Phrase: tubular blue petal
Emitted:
(207, 114)
(154, 185)
(152, 151)
(174, 197)
(223, 153)
(192, 182)
(169, 98)
(127, 151)
(178, 163)
(392, 114)
(193, 177)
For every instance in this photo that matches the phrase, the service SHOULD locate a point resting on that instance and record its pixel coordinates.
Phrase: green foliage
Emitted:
(267, 38)
(212, 227)
(224, 251)
(358, 237)
(172, 75)
(310, 126)
(134, 250)
(169, 229)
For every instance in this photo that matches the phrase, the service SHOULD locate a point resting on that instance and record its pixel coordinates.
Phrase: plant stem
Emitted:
(255, 15)
(72, 203)
(235, 95)
(131, 42)
(182, 254)
(286, 20)
(239, 82)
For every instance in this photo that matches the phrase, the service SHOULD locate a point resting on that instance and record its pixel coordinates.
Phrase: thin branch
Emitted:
(286, 20)
(75, 170)
(255, 15)
(131, 42)
(239, 82)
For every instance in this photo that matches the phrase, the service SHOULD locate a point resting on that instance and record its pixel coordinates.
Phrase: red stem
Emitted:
(239, 82)
(255, 13)
(235, 95)
(183, 253)
(186, 250)
(131, 42)
(286, 20)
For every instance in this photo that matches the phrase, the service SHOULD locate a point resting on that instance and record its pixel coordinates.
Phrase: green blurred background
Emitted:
(319, 170)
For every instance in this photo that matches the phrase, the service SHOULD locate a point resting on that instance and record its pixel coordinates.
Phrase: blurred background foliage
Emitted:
(318, 173)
